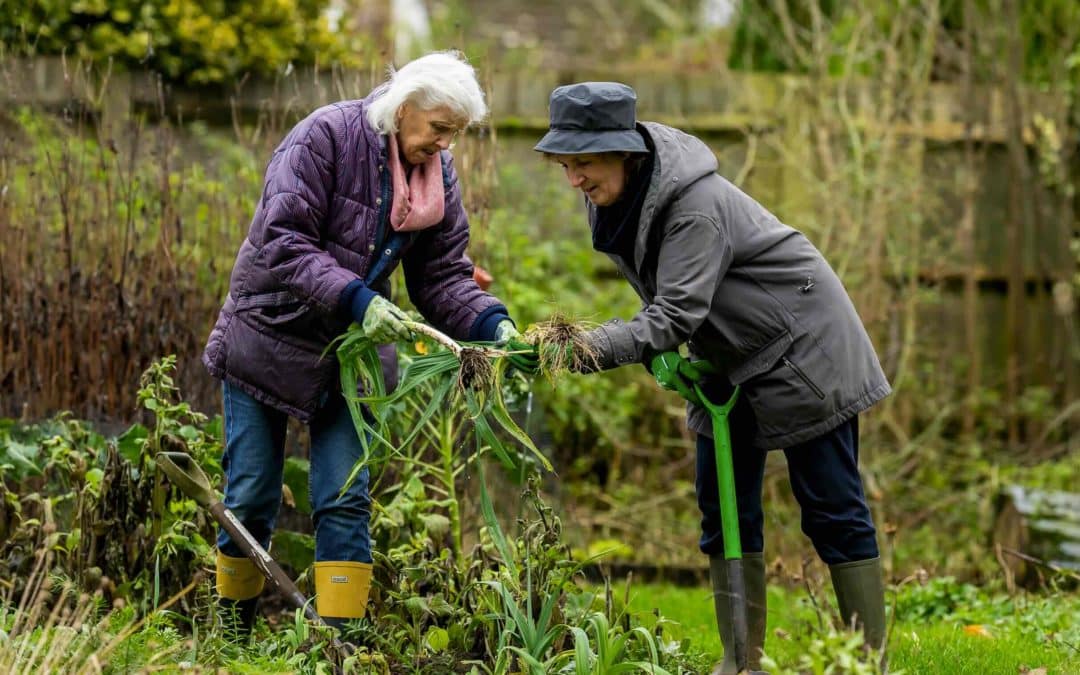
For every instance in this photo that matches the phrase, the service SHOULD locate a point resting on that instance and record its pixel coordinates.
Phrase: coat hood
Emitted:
(680, 160)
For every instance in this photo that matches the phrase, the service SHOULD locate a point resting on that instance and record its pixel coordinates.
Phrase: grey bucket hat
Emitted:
(590, 117)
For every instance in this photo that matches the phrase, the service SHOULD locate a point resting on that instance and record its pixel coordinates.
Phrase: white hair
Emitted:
(439, 79)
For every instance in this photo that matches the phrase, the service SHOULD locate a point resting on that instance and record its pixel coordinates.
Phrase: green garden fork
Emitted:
(729, 515)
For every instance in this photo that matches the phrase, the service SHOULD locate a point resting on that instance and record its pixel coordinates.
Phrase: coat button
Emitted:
(380, 167)
(675, 179)
(370, 247)
(388, 252)
(378, 200)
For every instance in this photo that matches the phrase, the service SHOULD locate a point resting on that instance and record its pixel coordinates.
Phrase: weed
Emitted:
(563, 346)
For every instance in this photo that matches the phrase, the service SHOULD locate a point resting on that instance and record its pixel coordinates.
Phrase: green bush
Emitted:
(195, 41)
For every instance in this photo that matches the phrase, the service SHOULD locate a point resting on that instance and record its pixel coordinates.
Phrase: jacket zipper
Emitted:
(380, 222)
(802, 376)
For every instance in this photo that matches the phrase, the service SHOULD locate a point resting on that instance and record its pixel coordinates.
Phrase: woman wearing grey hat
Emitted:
(756, 300)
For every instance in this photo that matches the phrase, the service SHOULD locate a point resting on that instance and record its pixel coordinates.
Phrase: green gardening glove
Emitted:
(675, 373)
(526, 357)
(384, 322)
(505, 331)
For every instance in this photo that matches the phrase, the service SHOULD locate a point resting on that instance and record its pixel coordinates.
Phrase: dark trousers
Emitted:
(824, 478)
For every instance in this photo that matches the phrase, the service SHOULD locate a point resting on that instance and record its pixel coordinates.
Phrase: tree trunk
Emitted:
(1037, 526)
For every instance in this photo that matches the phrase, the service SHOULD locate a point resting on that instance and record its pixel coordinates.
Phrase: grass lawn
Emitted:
(943, 631)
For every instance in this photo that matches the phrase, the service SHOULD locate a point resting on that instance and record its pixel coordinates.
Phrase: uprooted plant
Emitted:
(470, 376)
(563, 346)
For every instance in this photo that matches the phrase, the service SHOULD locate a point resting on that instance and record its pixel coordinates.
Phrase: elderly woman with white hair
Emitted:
(354, 189)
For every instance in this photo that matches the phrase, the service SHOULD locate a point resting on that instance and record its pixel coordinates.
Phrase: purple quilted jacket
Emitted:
(319, 221)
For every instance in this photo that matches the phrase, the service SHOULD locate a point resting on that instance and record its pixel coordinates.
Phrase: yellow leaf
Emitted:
(978, 630)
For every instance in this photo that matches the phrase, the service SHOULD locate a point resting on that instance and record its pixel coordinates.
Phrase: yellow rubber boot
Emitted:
(239, 584)
(341, 590)
(238, 578)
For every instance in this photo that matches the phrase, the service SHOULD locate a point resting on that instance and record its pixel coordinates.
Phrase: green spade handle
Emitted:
(725, 471)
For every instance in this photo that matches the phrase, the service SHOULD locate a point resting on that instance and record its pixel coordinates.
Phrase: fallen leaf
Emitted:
(978, 630)
(287, 496)
(1033, 671)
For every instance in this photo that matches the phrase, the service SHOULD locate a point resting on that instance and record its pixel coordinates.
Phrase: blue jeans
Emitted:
(254, 463)
(825, 479)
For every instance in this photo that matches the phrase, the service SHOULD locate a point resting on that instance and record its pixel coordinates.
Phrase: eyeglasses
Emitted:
(450, 133)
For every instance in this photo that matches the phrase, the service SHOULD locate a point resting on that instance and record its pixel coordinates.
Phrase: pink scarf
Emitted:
(419, 202)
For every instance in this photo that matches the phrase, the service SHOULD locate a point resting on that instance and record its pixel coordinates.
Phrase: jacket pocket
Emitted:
(272, 299)
(804, 377)
(285, 316)
(763, 360)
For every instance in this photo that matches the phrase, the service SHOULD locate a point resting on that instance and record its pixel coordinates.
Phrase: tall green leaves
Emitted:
(613, 654)
(434, 376)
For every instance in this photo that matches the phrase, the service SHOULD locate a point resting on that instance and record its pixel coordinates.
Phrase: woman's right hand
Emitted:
(384, 322)
(675, 373)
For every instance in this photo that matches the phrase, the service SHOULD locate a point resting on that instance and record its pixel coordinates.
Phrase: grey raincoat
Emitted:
(716, 270)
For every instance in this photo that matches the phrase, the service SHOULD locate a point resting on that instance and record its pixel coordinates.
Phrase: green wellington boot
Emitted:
(754, 573)
(860, 594)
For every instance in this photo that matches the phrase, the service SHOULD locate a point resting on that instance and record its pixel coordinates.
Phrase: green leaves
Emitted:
(198, 41)
(20, 459)
(538, 635)
(428, 385)
(437, 639)
(297, 473)
(612, 655)
(175, 421)
(130, 443)
(493, 527)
